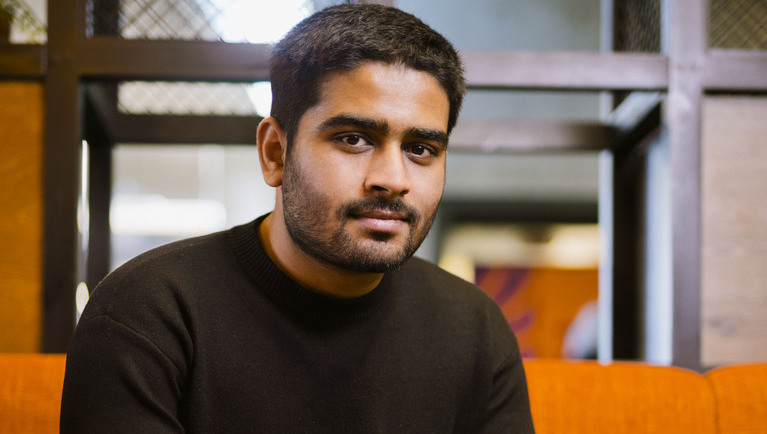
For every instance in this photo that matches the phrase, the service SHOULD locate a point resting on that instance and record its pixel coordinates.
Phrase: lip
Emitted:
(382, 215)
(382, 220)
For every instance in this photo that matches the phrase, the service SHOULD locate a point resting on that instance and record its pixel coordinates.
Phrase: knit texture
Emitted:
(207, 335)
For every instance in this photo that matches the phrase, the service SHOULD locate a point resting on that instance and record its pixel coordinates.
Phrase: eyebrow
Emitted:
(382, 127)
(428, 134)
(346, 120)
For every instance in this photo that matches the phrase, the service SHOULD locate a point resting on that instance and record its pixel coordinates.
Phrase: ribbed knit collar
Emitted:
(288, 294)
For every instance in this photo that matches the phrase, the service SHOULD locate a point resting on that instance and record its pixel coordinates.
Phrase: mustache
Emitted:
(361, 207)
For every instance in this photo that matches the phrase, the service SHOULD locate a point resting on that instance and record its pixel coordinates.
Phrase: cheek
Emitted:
(341, 173)
(335, 181)
(429, 186)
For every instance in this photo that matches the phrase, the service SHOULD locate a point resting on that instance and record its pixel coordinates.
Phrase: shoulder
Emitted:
(184, 260)
(183, 253)
(150, 303)
(455, 309)
(437, 282)
(160, 278)
(445, 294)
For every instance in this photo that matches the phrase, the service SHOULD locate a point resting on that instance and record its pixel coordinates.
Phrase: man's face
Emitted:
(366, 170)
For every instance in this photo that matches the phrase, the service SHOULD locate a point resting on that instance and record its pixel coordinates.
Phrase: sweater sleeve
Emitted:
(130, 355)
(118, 381)
(509, 409)
(509, 405)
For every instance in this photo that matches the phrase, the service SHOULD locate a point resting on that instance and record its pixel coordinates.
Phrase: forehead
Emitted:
(394, 93)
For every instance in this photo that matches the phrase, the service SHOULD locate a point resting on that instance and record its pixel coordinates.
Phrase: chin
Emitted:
(383, 256)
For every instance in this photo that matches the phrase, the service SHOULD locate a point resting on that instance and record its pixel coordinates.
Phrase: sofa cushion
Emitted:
(30, 392)
(741, 394)
(618, 398)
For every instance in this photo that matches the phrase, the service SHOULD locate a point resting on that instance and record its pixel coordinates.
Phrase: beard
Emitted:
(309, 220)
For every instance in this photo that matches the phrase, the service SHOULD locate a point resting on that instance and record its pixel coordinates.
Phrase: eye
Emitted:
(421, 151)
(351, 142)
(352, 139)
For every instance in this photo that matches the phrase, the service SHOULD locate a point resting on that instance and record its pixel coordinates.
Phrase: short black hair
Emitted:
(341, 38)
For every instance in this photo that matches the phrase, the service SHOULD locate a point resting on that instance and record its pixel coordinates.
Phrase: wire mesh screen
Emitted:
(637, 26)
(201, 20)
(738, 24)
(155, 19)
(188, 98)
(22, 22)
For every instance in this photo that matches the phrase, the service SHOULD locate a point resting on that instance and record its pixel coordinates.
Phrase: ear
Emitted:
(272, 147)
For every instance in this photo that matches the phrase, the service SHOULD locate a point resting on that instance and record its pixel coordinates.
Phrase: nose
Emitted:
(387, 173)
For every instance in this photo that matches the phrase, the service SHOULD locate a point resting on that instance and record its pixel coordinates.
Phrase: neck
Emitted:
(308, 271)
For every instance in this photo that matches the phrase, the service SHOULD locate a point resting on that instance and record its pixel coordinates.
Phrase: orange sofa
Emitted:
(631, 398)
(566, 397)
(30, 392)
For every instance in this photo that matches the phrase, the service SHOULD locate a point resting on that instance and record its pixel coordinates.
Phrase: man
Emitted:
(314, 318)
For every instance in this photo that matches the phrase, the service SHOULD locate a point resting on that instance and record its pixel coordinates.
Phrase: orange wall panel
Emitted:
(542, 305)
(21, 215)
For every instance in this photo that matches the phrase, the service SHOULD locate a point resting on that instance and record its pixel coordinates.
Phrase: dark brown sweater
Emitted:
(207, 335)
